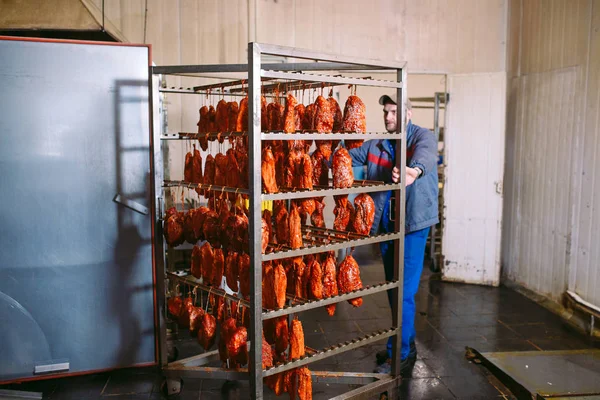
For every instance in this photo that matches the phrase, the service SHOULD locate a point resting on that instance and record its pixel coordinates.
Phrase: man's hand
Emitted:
(411, 175)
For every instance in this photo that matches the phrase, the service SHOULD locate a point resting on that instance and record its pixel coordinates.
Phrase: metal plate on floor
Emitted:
(552, 374)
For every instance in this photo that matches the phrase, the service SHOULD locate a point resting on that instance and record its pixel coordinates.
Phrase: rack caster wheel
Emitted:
(171, 387)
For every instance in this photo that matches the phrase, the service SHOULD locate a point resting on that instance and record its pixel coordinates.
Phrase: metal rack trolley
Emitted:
(257, 71)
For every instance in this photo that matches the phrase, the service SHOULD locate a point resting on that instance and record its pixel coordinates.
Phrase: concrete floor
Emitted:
(449, 317)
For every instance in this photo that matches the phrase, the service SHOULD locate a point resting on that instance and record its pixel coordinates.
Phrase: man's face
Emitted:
(389, 117)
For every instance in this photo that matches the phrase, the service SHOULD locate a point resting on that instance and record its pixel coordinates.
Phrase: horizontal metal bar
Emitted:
(311, 304)
(287, 136)
(331, 351)
(197, 360)
(346, 378)
(191, 91)
(294, 52)
(374, 388)
(243, 68)
(330, 136)
(330, 247)
(238, 374)
(346, 80)
(303, 194)
(213, 188)
(199, 69)
(223, 85)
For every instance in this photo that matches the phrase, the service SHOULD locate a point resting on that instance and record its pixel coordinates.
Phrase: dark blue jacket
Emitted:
(421, 196)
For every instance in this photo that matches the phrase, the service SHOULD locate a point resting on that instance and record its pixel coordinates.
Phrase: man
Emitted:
(421, 213)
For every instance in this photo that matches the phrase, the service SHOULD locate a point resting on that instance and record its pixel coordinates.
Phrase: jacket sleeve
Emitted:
(425, 153)
(359, 154)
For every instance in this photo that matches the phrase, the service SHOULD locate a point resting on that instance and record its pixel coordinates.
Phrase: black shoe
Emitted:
(382, 355)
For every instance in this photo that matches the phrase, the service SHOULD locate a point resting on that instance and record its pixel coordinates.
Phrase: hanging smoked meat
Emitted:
(364, 214)
(307, 208)
(184, 316)
(349, 279)
(175, 305)
(344, 214)
(267, 354)
(320, 169)
(196, 314)
(207, 331)
(330, 287)
(174, 227)
(299, 277)
(219, 309)
(305, 173)
(244, 273)
(218, 268)
(231, 270)
(308, 123)
(269, 219)
(343, 176)
(268, 285)
(276, 121)
(221, 169)
(198, 222)
(317, 219)
(323, 122)
(236, 230)
(207, 257)
(203, 127)
(300, 110)
(232, 171)
(289, 115)
(188, 227)
(232, 115)
(212, 121)
(355, 120)
(196, 262)
(297, 349)
(288, 265)
(264, 234)
(209, 174)
(315, 279)
(304, 384)
(281, 334)
(295, 228)
(212, 228)
(280, 284)
(242, 118)
(268, 171)
(264, 117)
(237, 345)
(289, 123)
(227, 329)
(282, 228)
(222, 117)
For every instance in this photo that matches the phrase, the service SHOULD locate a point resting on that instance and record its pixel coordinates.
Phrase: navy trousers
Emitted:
(414, 253)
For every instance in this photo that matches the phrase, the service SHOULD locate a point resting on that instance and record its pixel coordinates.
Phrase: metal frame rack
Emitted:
(327, 239)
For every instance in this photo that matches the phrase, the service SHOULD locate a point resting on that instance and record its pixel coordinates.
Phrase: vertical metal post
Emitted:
(255, 362)
(436, 116)
(400, 195)
(157, 194)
